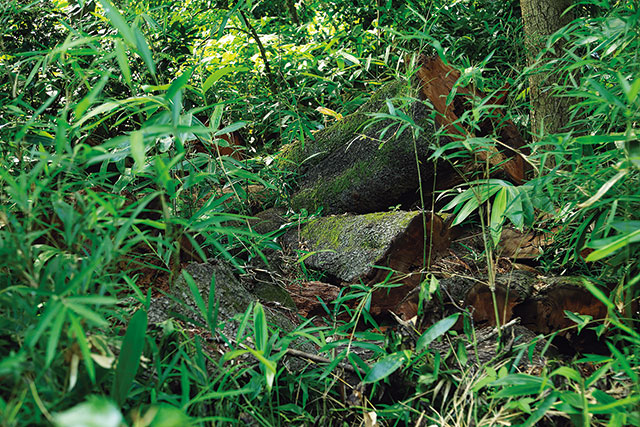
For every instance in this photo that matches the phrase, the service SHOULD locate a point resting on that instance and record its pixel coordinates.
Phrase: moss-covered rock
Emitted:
(231, 295)
(346, 248)
(361, 166)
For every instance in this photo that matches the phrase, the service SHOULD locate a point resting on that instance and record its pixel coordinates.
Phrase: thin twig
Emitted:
(315, 358)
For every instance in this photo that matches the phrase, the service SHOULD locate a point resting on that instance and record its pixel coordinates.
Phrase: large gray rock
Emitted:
(231, 294)
(350, 167)
(348, 247)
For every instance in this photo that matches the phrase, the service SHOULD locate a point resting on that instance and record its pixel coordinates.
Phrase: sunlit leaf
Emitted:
(145, 52)
(97, 411)
(498, 209)
(129, 357)
(118, 21)
(608, 246)
(385, 367)
(260, 327)
(123, 61)
(138, 149)
(435, 331)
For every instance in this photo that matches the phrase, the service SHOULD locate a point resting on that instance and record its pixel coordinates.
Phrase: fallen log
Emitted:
(545, 311)
(359, 166)
(367, 248)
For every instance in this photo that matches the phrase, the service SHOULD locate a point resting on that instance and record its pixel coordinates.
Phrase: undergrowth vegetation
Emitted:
(112, 117)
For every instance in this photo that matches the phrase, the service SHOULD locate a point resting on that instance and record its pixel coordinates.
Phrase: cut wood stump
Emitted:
(510, 290)
(545, 311)
(310, 296)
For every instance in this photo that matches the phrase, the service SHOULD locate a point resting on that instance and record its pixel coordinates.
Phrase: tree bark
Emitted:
(291, 6)
(549, 113)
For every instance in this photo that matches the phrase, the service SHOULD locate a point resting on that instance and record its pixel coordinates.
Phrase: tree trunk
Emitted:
(291, 6)
(549, 113)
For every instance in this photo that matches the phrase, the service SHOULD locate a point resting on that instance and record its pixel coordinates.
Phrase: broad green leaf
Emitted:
(215, 395)
(518, 390)
(436, 330)
(600, 139)
(225, 19)
(97, 411)
(54, 337)
(93, 299)
(603, 190)
(244, 323)
(606, 94)
(541, 410)
(144, 51)
(633, 91)
(231, 128)
(518, 379)
(218, 74)
(568, 373)
(185, 385)
(216, 117)
(515, 209)
(123, 61)
(475, 196)
(385, 367)
(261, 331)
(349, 57)
(51, 310)
(129, 358)
(138, 149)
(103, 108)
(268, 366)
(614, 406)
(178, 84)
(86, 313)
(624, 363)
(626, 226)
(195, 292)
(81, 339)
(471, 206)
(118, 21)
(497, 215)
(86, 102)
(610, 247)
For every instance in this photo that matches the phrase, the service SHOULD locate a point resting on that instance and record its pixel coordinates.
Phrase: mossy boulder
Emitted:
(346, 248)
(232, 296)
(360, 166)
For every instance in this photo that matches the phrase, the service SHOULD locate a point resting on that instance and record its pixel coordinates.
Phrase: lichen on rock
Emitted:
(362, 165)
(349, 247)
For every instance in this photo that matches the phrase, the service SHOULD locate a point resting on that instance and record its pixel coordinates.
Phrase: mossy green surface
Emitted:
(327, 140)
(347, 247)
(271, 292)
(361, 169)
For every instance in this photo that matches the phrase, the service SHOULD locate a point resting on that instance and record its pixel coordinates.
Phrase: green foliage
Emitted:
(102, 192)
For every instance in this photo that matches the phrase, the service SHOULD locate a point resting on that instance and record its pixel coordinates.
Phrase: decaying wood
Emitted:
(309, 296)
(437, 81)
(545, 311)
(510, 290)
(540, 302)
(521, 245)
